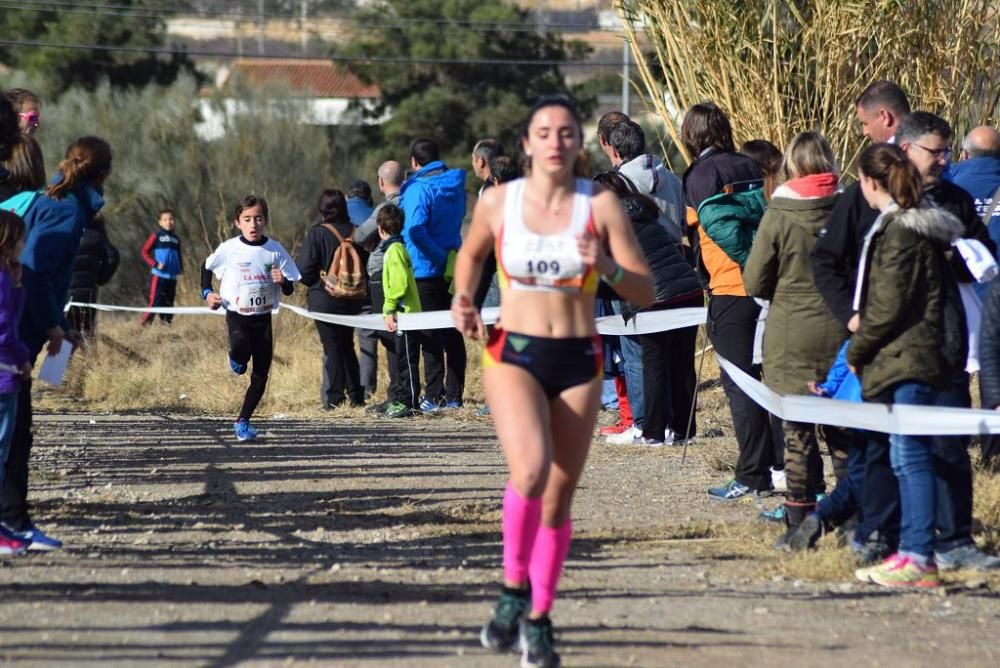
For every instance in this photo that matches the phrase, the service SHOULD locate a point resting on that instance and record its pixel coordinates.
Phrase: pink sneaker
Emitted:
(616, 428)
(9, 546)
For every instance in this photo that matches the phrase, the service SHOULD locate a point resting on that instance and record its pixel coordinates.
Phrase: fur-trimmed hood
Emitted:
(935, 224)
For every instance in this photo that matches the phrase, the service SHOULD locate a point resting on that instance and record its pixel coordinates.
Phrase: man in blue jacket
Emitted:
(433, 202)
(978, 173)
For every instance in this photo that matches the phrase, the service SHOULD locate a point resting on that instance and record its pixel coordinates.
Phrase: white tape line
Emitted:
(650, 322)
(175, 310)
(886, 418)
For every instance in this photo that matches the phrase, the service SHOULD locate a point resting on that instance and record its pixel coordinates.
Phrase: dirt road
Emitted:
(346, 543)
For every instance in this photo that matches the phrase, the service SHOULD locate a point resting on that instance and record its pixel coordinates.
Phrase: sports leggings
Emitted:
(250, 338)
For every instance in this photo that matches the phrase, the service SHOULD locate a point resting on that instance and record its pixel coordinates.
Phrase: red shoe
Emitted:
(621, 426)
(9, 546)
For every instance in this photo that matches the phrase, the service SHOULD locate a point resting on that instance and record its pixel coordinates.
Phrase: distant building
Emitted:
(323, 91)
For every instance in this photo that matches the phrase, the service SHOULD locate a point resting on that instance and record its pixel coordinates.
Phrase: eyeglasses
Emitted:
(33, 117)
(937, 152)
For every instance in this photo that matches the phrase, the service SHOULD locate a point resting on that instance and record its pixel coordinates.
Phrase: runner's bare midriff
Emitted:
(548, 314)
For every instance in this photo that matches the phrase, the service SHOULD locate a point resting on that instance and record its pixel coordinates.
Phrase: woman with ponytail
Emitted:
(55, 223)
(909, 343)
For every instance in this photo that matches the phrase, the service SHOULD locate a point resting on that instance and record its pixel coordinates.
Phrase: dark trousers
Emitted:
(341, 371)
(668, 382)
(880, 509)
(14, 490)
(250, 338)
(443, 349)
(777, 443)
(845, 500)
(368, 340)
(989, 447)
(161, 293)
(732, 322)
(953, 476)
(803, 462)
(404, 367)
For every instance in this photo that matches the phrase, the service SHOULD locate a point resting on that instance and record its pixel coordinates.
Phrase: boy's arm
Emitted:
(180, 258)
(147, 250)
(394, 279)
(206, 280)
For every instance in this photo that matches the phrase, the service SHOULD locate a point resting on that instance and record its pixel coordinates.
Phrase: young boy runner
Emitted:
(253, 272)
(162, 252)
(396, 290)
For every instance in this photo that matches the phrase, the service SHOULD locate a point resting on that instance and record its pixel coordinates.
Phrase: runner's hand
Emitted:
(276, 275)
(214, 300)
(593, 254)
(466, 317)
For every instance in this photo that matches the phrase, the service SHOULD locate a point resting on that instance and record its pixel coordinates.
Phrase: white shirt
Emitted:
(244, 273)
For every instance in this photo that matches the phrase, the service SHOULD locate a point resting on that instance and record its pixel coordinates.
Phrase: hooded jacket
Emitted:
(650, 177)
(433, 203)
(902, 316)
(989, 348)
(980, 177)
(54, 228)
(674, 279)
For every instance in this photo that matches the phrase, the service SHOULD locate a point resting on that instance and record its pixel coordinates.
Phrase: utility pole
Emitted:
(302, 25)
(260, 27)
(626, 57)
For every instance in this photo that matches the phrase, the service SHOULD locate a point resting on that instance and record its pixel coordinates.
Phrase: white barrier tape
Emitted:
(644, 323)
(886, 418)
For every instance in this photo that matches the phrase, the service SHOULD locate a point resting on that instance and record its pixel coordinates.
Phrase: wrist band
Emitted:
(615, 278)
(205, 292)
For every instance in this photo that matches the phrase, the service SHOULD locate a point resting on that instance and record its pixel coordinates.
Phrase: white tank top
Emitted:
(544, 262)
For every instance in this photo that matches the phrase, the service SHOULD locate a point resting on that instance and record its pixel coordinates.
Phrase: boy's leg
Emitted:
(408, 354)
(261, 351)
(154, 289)
(239, 337)
(168, 292)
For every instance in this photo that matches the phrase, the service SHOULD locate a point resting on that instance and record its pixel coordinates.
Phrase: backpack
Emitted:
(344, 279)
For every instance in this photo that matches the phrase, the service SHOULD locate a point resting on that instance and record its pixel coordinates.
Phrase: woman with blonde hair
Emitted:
(802, 335)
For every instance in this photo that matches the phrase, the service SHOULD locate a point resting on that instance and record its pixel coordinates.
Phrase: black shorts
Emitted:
(557, 364)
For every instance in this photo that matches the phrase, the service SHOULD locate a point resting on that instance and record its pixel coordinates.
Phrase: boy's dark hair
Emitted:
(164, 211)
(249, 202)
(390, 220)
(18, 96)
(607, 124)
(921, 123)
(425, 151)
(360, 190)
(628, 140)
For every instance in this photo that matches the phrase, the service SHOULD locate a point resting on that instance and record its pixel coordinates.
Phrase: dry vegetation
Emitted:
(778, 67)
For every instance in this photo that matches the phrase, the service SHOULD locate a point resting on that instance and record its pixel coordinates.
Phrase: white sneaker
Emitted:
(778, 481)
(669, 436)
(627, 437)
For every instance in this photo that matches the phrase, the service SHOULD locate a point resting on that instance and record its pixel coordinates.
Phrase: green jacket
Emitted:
(902, 313)
(801, 337)
(398, 284)
(731, 219)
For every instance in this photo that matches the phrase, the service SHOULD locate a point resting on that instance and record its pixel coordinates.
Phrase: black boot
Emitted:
(795, 513)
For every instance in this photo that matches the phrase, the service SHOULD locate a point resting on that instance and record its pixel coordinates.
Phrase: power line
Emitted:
(159, 12)
(520, 62)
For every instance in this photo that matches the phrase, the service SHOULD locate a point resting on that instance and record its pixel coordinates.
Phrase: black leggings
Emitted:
(250, 337)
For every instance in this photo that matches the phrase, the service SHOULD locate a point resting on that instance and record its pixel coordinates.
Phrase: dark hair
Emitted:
(891, 169)
(10, 131)
(884, 94)
(921, 123)
(488, 149)
(18, 96)
(769, 157)
(553, 101)
(165, 211)
(360, 190)
(607, 124)
(425, 151)
(333, 206)
(25, 164)
(628, 140)
(11, 231)
(249, 202)
(88, 159)
(390, 220)
(706, 126)
(503, 169)
(639, 207)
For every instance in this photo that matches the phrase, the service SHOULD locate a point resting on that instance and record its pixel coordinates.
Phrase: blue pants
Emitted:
(8, 413)
(912, 460)
(845, 499)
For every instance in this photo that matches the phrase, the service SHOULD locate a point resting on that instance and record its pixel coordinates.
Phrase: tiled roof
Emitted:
(315, 78)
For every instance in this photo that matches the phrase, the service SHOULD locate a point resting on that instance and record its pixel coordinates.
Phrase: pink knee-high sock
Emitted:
(547, 559)
(521, 518)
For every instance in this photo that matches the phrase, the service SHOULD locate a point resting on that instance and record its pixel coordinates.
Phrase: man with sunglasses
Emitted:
(28, 107)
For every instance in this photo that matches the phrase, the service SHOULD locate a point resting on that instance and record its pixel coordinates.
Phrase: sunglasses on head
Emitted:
(32, 116)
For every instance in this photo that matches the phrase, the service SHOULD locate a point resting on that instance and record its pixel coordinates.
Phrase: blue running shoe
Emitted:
(244, 432)
(731, 491)
(451, 405)
(483, 411)
(777, 515)
(238, 369)
(33, 537)
(428, 406)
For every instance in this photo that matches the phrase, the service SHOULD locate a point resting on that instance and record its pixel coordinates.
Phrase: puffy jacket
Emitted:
(902, 330)
(712, 173)
(673, 277)
(433, 202)
(802, 335)
(730, 220)
(54, 228)
(315, 256)
(96, 262)
(650, 177)
(989, 348)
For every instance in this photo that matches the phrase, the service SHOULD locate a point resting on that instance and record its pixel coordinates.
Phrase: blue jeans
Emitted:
(8, 413)
(632, 358)
(912, 460)
(845, 499)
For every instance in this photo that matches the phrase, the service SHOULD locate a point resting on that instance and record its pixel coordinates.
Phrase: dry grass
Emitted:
(778, 68)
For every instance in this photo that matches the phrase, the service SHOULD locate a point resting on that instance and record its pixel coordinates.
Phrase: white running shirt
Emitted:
(244, 273)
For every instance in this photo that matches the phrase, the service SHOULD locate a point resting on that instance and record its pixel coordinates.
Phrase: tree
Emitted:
(125, 24)
(462, 100)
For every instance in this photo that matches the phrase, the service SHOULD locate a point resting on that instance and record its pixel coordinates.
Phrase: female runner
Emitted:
(554, 235)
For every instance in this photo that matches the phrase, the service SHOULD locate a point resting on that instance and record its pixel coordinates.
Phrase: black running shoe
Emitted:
(501, 631)
(537, 644)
